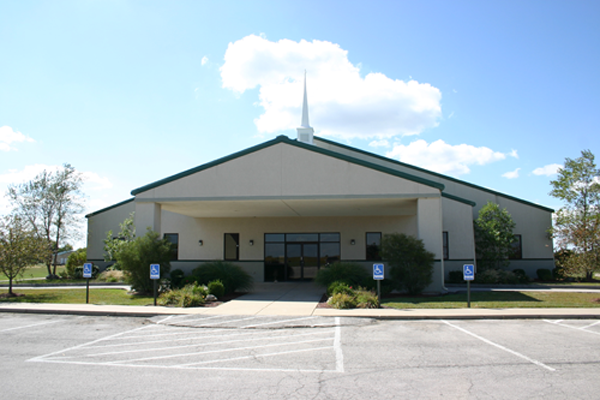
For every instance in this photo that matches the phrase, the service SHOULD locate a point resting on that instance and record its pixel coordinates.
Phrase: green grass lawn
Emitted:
(498, 300)
(37, 272)
(77, 296)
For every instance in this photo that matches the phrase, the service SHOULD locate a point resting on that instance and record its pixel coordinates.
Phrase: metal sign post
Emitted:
(155, 275)
(87, 274)
(378, 272)
(468, 275)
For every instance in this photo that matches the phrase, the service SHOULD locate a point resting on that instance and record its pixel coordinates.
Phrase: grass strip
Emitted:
(77, 296)
(498, 300)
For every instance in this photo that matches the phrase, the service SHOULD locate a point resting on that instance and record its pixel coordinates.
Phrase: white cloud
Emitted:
(512, 174)
(8, 136)
(513, 153)
(547, 170)
(444, 158)
(96, 182)
(341, 102)
(379, 143)
(204, 60)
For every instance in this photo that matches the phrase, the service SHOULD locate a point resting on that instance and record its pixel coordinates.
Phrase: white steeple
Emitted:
(305, 132)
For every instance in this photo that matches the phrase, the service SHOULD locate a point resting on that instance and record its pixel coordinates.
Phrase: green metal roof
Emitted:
(436, 174)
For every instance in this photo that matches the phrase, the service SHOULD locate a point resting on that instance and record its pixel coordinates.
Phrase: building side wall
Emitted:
(100, 224)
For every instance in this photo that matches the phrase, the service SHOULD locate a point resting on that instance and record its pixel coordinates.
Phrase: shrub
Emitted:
(111, 276)
(411, 266)
(78, 272)
(177, 276)
(544, 274)
(521, 275)
(342, 301)
(497, 276)
(188, 296)
(216, 288)
(366, 299)
(136, 256)
(234, 278)
(76, 259)
(558, 273)
(339, 287)
(352, 274)
(455, 277)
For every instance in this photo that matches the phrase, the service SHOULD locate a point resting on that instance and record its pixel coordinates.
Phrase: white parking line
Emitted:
(337, 346)
(578, 328)
(531, 360)
(275, 322)
(32, 325)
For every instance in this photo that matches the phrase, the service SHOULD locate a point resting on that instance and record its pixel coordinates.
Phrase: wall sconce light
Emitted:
(251, 242)
(352, 242)
(200, 242)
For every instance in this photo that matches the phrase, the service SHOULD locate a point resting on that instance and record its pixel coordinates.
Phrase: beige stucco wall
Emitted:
(283, 170)
(459, 225)
(211, 231)
(99, 224)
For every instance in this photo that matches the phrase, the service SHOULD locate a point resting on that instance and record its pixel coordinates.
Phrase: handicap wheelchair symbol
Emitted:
(378, 270)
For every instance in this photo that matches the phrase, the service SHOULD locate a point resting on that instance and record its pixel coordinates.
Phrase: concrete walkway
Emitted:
(300, 299)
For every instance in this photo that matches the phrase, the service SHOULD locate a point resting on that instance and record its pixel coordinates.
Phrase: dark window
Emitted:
(373, 246)
(232, 246)
(173, 238)
(516, 252)
(446, 245)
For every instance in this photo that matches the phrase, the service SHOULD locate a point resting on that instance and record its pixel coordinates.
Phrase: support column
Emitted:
(429, 227)
(147, 215)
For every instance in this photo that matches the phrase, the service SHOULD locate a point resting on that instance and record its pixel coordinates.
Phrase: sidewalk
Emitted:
(300, 299)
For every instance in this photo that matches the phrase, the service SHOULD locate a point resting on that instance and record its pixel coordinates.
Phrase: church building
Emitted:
(287, 207)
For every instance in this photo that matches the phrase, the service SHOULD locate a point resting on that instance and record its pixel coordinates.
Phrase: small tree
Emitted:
(493, 237)
(112, 245)
(49, 203)
(135, 258)
(76, 259)
(411, 264)
(577, 224)
(19, 249)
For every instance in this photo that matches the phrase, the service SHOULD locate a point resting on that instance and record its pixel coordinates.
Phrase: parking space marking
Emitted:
(276, 322)
(32, 325)
(579, 328)
(531, 360)
(166, 344)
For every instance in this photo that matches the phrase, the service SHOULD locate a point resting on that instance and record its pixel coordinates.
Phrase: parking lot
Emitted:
(300, 357)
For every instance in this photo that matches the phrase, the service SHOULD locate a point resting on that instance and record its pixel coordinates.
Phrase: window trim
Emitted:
(175, 256)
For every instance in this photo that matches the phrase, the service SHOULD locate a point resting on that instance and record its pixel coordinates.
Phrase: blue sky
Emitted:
(496, 93)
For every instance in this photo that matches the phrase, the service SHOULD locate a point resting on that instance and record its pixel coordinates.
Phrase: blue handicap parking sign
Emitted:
(378, 272)
(87, 270)
(468, 272)
(154, 271)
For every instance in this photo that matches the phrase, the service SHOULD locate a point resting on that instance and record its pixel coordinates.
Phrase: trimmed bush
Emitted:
(455, 277)
(188, 296)
(216, 288)
(76, 259)
(233, 277)
(339, 287)
(342, 301)
(411, 265)
(110, 276)
(78, 272)
(366, 299)
(177, 276)
(521, 275)
(544, 274)
(352, 274)
(497, 276)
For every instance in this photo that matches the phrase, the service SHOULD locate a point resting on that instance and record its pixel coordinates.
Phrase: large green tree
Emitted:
(19, 248)
(112, 245)
(49, 203)
(577, 224)
(135, 258)
(493, 237)
(411, 265)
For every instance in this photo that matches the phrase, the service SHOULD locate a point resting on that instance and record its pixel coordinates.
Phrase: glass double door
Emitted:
(302, 260)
